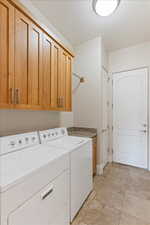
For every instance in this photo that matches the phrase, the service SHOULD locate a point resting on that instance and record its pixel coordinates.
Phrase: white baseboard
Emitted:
(100, 168)
(110, 159)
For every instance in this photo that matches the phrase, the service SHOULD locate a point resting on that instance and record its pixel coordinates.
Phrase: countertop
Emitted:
(82, 132)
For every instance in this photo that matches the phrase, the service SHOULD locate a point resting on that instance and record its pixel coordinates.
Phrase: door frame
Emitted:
(148, 109)
(108, 124)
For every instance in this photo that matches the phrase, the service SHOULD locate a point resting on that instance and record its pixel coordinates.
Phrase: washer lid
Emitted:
(16, 166)
(68, 142)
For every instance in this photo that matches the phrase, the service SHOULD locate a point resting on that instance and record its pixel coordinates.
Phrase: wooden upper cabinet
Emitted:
(35, 70)
(6, 54)
(28, 63)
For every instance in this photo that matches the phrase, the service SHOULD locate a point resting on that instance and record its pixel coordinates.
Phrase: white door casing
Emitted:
(130, 118)
(105, 118)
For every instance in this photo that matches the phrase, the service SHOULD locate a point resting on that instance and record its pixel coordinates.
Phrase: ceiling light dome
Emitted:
(105, 7)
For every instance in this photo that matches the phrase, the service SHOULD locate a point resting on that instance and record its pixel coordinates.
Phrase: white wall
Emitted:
(66, 119)
(17, 121)
(130, 58)
(87, 97)
(88, 64)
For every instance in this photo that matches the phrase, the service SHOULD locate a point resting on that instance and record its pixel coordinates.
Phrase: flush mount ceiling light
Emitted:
(105, 7)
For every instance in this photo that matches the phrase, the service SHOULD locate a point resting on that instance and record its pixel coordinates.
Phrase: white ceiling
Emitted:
(76, 20)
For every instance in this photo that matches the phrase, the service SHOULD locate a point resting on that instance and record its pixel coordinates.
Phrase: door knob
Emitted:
(144, 131)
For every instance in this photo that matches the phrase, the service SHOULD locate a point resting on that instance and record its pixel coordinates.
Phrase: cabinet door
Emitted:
(28, 64)
(35, 67)
(69, 84)
(6, 54)
(62, 81)
(56, 53)
(47, 71)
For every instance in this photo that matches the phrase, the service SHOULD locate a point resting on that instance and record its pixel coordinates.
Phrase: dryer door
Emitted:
(48, 207)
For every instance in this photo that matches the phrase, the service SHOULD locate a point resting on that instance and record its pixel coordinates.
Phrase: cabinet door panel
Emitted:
(62, 81)
(47, 71)
(21, 57)
(28, 63)
(69, 84)
(55, 73)
(7, 54)
(35, 67)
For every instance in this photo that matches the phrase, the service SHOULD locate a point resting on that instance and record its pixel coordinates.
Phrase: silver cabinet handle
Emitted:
(47, 193)
(17, 96)
(60, 102)
(12, 96)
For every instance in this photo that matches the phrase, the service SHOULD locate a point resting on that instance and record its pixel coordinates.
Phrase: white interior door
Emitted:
(130, 118)
(105, 108)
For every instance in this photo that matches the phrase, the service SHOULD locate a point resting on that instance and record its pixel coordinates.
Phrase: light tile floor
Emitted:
(120, 197)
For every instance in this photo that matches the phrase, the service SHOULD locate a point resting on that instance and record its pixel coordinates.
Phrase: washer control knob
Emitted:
(33, 139)
(20, 142)
(26, 139)
(12, 143)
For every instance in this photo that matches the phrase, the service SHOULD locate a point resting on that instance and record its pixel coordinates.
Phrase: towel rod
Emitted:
(82, 80)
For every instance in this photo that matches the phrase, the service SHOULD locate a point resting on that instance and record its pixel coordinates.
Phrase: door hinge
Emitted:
(112, 106)
(112, 128)
(108, 79)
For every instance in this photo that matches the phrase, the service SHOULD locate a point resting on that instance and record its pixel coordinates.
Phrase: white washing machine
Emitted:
(80, 151)
(34, 182)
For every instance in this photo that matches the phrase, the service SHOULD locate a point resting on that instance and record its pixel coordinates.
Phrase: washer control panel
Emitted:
(13, 143)
(51, 134)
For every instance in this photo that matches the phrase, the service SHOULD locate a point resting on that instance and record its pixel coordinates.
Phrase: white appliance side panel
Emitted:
(48, 207)
(81, 176)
